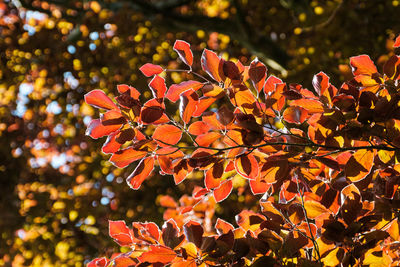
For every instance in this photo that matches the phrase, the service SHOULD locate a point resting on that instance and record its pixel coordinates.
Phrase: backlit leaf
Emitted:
(223, 191)
(193, 232)
(158, 254)
(96, 129)
(141, 172)
(167, 135)
(176, 90)
(362, 65)
(257, 74)
(210, 64)
(359, 165)
(98, 99)
(124, 157)
(158, 87)
(120, 233)
(149, 69)
(295, 115)
(247, 166)
(397, 42)
(223, 227)
(198, 128)
(188, 104)
(184, 52)
(314, 209)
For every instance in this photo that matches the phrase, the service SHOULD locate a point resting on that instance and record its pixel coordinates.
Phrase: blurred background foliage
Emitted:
(57, 188)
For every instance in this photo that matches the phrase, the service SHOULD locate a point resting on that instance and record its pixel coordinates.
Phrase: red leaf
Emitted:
(122, 88)
(111, 145)
(112, 117)
(152, 111)
(120, 233)
(397, 42)
(295, 115)
(207, 138)
(96, 129)
(223, 227)
(188, 105)
(98, 99)
(259, 186)
(269, 85)
(210, 64)
(359, 165)
(167, 135)
(320, 82)
(149, 69)
(223, 191)
(213, 175)
(203, 104)
(184, 52)
(362, 65)
(193, 232)
(176, 90)
(312, 106)
(158, 254)
(181, 171)
(99, 262)
(142, 171)
(158, 87)
(198, 128)
(124, 157)
(168, 202)
(247, 166)
(257, 74)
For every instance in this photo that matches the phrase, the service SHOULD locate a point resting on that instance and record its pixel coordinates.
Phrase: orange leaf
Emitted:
(111, 145)
(124, 157)
(149, 69)
(184, 52)
(213, 175)
(207, 138)
(223, 227)
(167, 135)
(122, 88)
(120, 233)
(210, 64)
(269, 85)
(97, 98)
(223, 191)
(189, 100)
(203, 104)
(312, 106)
(158, 254)
(96, 129)
(176, 90)
(247, 166)
(168, 202)
(141, 172)
(397, 42)
(362, 65)
(258, 186)
(198, 128)
(181, 170)
(158, 87)
(314, 209)
(152, 111)
(295, 115)
(257, 74)
(359, 165)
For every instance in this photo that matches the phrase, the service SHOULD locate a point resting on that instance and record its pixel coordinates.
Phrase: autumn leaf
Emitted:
(184, 52)
(120, 233)
(141, 172)
(167, 135)
(223, 191)
(158, 254)
(362, 65)
(210, 64)
(359, 165)
(97, 98)
(247, 166)
(149, 69)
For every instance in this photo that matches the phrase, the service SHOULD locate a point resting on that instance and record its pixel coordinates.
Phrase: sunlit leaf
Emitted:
(167, 135)
(210, 64)
(141, 172)
(359, 165)
(247, 166)
(362, 65)
(176, 90)
(124, 157)
(223, 191)
(158, 87)
(98, 99)
(149, 69)
(158, 254)
(184, 52)
(120, 233)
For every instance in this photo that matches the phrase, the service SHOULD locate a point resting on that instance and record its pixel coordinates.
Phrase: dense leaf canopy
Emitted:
(60, 188)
